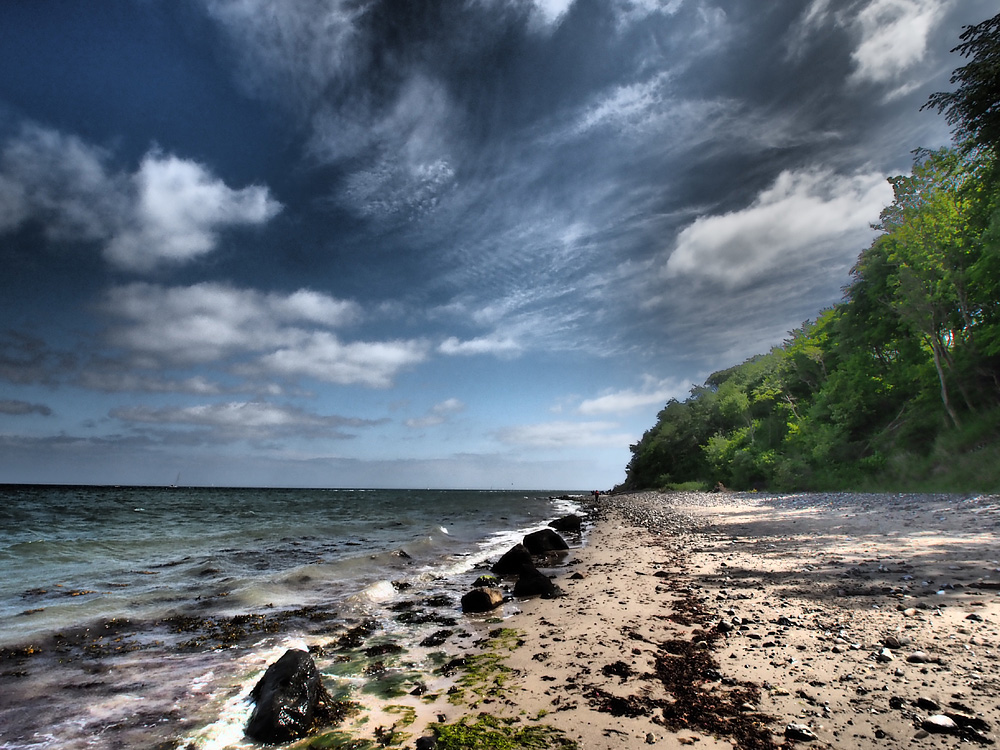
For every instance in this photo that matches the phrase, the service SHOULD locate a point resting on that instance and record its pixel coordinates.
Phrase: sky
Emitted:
(463, 243)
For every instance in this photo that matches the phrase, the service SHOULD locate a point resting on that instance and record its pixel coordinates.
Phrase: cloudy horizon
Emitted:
(474, 243)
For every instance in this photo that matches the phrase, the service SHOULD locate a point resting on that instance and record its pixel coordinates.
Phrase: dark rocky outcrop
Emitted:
(286, 699)
(545, 540)
(535, 583)
(483, 599)
(572, 522)
(513, 560)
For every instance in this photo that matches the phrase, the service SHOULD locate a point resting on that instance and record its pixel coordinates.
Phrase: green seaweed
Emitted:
(334, 740)
(389, 684)
(490, 733)
(485, 674)
(408, 714)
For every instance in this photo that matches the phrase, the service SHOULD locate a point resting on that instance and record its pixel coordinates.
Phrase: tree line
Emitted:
(898, 385)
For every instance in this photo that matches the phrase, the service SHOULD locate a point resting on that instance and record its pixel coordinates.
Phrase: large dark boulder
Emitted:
(535, 583)
(572, 522)
(286, 698)
(513, 560)
(482, 599)
(546, 540)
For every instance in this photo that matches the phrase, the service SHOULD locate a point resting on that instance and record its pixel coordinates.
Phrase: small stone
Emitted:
(482, 599)
(974, 617)
(891, 641)
(918, 657)
(939, 723)
(884, 655)
(928, 704)
(896, 702)
(800, 733)
(650, 738)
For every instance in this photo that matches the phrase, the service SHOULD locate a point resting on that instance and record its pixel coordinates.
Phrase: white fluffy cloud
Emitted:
(242, 420)
(806, 214)
(170, 211)
(209, 321)
(653, 393)
(178, 210)
(496, 345)
(563, 434)
(322, 356)
(260, 334)
(893, 37)
(890, 36)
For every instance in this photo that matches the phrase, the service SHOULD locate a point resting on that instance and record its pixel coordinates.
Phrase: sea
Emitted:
(143, 616)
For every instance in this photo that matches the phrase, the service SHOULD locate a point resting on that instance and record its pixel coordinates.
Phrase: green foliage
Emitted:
(897, 387)
(973, 109)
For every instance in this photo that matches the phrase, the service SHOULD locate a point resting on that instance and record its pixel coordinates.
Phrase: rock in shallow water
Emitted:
(483, 599)
(571, 522)
(285, 699)
(545, 540)
(513, 561)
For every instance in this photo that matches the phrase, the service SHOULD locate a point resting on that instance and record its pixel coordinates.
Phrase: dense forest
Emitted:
(898, 385)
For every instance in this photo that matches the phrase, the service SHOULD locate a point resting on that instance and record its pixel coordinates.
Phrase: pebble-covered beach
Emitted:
(840, 620)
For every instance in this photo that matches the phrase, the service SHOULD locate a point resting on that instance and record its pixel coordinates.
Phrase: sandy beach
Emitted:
(742, 620)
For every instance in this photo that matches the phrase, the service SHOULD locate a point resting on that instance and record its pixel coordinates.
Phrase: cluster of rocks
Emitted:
(290, 700)
(519, 563)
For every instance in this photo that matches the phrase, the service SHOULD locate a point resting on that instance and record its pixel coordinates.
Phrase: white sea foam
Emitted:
(150, 555)
(379, 592)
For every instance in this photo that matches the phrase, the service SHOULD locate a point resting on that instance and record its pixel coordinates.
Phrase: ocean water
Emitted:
(140, 617)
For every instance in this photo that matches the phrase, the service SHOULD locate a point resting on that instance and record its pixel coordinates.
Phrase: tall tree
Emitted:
(973, 109)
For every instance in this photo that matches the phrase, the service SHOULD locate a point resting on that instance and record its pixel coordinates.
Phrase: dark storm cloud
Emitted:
(27, 359)
(21, 408)
(442, 196)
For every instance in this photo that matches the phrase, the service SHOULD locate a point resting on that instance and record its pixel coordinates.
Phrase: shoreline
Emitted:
(707, 619)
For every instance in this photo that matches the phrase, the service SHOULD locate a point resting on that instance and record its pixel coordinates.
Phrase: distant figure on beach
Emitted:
(597, 494)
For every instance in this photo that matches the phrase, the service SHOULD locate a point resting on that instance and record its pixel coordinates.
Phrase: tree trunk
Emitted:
(936, 351)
